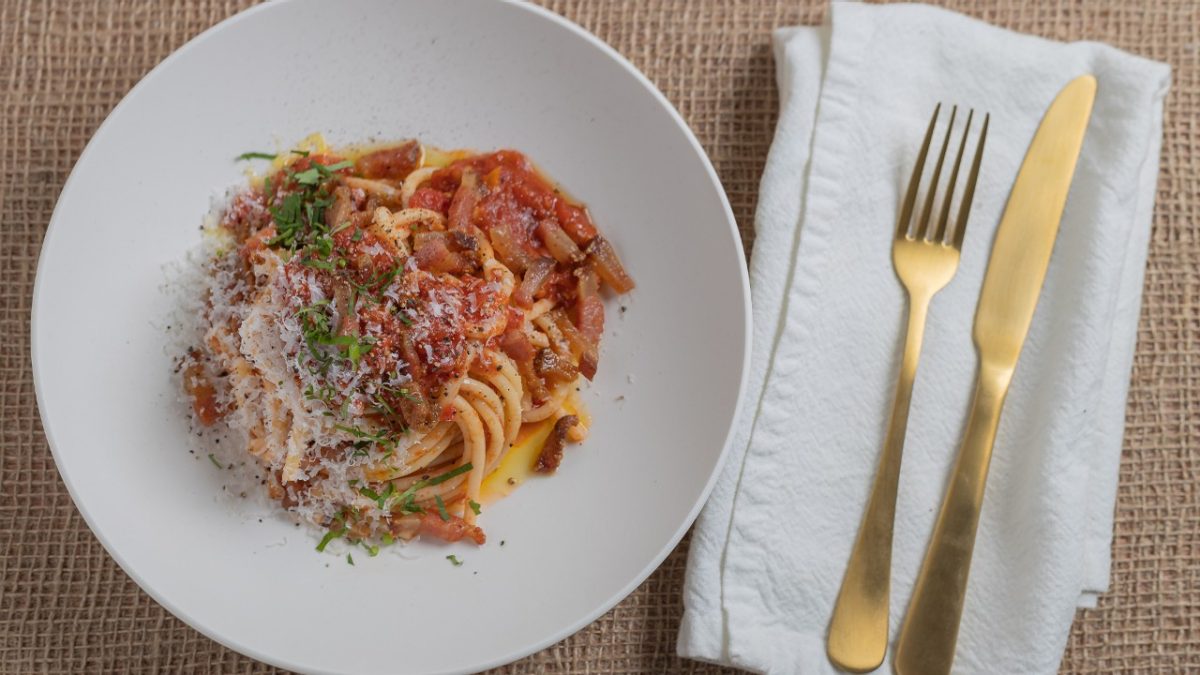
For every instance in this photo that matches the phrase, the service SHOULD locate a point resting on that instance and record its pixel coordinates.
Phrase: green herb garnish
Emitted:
(438, 480)
(317, 263)
(474, 506)
(330, 536)
(454, 560)
(445, 516)
(254, 155)
(379, 498)
(308, 177)
(214, 461)
(407, 499)
(380, 437)
(349, 558)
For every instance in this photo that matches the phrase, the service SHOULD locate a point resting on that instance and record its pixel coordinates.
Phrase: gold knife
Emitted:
(1010, 292)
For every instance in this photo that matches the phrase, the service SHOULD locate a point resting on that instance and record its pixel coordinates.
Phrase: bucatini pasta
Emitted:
(382, 327)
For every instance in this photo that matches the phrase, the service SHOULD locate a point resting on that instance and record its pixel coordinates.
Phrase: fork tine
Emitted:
(914, 183)
(940, 236)
(923, 225)
(960, 227)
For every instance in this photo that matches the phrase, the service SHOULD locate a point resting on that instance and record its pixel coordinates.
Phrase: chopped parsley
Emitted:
(349, 558)
(377, 283)
(380, 498)
(454, 560)
(382, 438)
(300, 216)
(438, 480)
(400, 392)
(316, 325)
(381, 405)
(317, 263)
(371, 550)
(330, 536)
(409, 504)
(308, 177)
(254, 155)
(441, 506)
(319, 173)
(474, 506)
(408, 498)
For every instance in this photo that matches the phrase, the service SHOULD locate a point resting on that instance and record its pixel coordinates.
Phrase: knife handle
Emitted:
(930, 631)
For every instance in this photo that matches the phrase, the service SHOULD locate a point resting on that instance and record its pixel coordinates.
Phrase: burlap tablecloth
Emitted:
(66, 607)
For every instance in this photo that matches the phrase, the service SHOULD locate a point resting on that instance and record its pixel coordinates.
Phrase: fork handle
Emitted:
(858, 631)
(930, 631)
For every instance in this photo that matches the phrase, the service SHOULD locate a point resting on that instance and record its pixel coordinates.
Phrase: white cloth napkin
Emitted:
(770, 548)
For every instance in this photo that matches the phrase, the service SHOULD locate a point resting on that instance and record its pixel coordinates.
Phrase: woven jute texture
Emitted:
(66, 607)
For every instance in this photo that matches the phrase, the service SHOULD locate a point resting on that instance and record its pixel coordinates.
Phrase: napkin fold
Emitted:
(770, 548)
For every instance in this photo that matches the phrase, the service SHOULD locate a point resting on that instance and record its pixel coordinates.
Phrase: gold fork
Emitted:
(925, 261)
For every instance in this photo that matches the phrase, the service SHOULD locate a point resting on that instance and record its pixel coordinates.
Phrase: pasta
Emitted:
(381, 325)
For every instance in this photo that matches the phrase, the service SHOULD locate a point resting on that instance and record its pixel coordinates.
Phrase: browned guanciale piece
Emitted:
(394, 163)
(417, 412)
(434, 255)
(508, 250)
(609, 265)
(553, 368)
(552, 451)
(561, 246)
(454, 529)
(200, 389)
(516, 345)
(342, 207)
(588, 354)
(462, 206)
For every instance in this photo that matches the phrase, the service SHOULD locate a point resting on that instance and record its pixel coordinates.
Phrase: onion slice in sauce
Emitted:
(608, 265)
(462, 207)
(561, 246)
(508, 250)
(378, 188)
(535, 278)
(394, 163)
(589, 356)
(589, 308)
(434, 255)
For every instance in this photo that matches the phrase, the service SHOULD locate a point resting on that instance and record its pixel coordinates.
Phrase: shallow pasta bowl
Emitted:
(561, 550)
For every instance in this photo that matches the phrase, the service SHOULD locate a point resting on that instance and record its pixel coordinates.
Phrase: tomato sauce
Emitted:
(518, 198)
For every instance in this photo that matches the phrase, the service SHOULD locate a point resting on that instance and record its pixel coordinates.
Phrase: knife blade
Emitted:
(1029, 226)
(1011, 286)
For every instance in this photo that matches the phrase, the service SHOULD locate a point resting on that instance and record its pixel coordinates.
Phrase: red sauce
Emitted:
(518, 197)
(428, 198)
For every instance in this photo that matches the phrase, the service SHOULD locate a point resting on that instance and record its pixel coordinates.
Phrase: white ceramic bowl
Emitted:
(478, 75)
